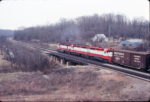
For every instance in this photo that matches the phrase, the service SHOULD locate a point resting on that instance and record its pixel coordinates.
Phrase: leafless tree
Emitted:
(86, 27)
(26, 59)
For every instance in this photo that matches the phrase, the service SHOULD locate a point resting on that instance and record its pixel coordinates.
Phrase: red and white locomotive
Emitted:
(91, 51)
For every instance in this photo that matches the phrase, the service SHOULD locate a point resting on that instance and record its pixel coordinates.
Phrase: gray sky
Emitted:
(25, 13)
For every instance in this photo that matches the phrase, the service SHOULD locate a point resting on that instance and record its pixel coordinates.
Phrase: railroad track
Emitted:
(129, 72)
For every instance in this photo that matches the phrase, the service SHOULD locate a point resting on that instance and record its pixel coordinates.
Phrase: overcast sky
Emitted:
(25, 13)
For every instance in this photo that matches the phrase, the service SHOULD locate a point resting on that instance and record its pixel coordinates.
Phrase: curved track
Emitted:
(129, 72)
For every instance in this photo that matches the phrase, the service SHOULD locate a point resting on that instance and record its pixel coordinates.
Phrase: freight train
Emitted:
(132, 59)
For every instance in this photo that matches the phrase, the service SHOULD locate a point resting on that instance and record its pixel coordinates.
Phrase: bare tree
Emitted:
(25, 59)
(84, 28)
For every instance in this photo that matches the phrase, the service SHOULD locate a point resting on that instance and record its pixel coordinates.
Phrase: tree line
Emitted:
(85, 27)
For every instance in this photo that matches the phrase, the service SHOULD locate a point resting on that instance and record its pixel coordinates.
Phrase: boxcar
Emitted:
(139, 60)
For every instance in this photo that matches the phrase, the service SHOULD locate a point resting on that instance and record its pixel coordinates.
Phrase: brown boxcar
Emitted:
(139, 60)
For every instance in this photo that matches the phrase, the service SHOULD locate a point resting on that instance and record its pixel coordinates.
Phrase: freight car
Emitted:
(138, 60)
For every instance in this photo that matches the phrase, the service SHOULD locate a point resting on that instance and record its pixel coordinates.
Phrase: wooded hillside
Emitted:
(83, 28)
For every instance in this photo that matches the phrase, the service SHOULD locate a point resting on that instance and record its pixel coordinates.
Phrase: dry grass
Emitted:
(81, 83)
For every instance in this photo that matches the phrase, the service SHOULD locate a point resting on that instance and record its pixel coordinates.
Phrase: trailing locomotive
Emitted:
(139, 60)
